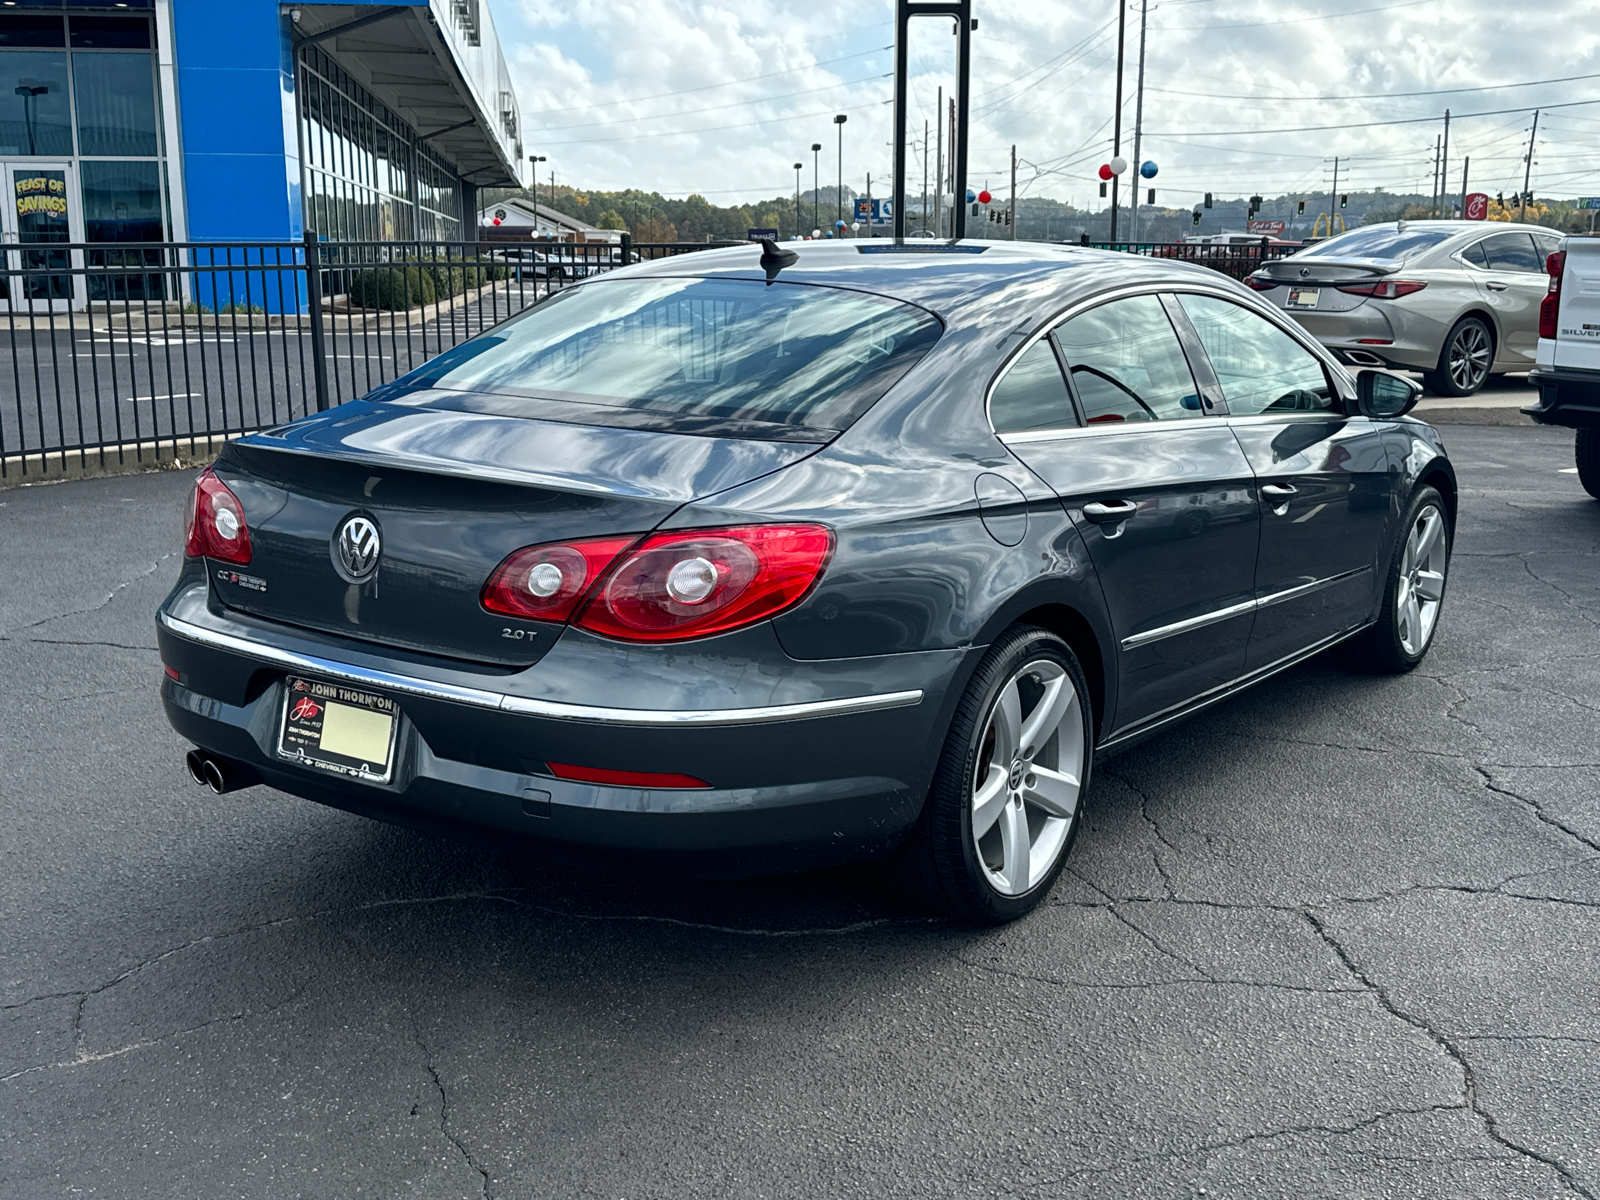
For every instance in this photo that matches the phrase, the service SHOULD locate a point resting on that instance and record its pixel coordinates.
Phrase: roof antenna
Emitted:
(774, 259)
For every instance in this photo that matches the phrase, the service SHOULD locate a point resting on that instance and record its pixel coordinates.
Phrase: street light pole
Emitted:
(797, 167)
(1116, 137)
(816, 184)
(535, 160)
(839, 194)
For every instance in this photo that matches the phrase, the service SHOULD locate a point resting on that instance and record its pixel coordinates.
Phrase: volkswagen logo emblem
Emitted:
(356, 547)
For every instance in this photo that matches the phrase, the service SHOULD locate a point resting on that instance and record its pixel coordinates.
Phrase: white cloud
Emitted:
(639, 92)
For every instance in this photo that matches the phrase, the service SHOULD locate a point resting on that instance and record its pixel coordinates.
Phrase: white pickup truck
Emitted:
(1567, 370)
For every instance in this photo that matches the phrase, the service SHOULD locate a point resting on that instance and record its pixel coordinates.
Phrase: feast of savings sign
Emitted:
(41, 194)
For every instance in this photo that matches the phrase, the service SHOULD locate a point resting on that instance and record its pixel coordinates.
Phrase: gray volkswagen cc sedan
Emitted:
(760, 559)
(1456, 300)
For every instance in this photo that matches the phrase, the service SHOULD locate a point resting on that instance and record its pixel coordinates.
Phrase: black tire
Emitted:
(1382, 648)
(939, 864)
(1470, 341)
(1586, 450)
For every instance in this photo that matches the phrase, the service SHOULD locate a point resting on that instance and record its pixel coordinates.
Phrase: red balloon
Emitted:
(984, 197)
(497, 220)
(1105, 170)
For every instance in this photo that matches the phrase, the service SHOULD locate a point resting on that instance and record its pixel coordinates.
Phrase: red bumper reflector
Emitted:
(1374, 341)
(172, 674)
(638, 779)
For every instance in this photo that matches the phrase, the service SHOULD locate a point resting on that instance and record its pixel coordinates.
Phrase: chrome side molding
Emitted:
(1237, 610)
(408, 685)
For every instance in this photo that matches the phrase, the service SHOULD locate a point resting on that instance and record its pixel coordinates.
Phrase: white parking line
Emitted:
(1569, 470)
(173, 396)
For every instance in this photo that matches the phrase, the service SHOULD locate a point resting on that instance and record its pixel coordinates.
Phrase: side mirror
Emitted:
(1384, 395)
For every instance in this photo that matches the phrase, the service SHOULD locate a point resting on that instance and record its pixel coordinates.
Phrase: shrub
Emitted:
(395, 286)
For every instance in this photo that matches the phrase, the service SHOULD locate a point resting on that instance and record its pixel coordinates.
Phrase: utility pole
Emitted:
(1527, 171)
(1116, 136)
(1433, 205)
(938, 166)
(797, 168)
(954, 199)
(924, 175)
(1138, 116)
(871, 232)
(1465, 163)
(1011, 219)
(1333, 196)
(1444, 160)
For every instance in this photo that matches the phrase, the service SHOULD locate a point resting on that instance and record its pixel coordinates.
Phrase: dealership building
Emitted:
(250, 120)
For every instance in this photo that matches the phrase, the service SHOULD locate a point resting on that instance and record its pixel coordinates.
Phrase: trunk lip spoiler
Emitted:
(410, 685)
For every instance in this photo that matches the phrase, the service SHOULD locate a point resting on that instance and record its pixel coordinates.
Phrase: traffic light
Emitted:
(1302, 209)
(1527, 197)
(1196, 215)
(1102, 190)
(1344, 200)
(1500, 199)
(1150, 196)
(1255, 205)
(1208, 199)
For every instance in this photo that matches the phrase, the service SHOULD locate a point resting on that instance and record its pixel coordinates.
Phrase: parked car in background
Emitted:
(1456, 300)
(764, 559)
(1568, 373)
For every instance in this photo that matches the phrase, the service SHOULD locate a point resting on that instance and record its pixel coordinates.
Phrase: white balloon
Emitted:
(1118, 165)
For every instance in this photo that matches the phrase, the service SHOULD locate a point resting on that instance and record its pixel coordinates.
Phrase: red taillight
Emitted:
(1260, 283)
(1550, 306)
(1388, 289)
(686, 585)
(637, 779)
(546, 583)
(214, 524)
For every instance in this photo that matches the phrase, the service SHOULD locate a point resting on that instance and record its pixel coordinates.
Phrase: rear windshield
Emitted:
(716, 356)
(1380, 241)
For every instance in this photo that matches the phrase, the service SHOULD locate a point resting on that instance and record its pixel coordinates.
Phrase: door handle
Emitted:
(1278, 491)
(1496, 287)
(1109, 514)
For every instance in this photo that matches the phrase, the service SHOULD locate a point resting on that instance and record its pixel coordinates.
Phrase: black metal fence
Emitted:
(151, 352)
(140, 354)
(1234, 259)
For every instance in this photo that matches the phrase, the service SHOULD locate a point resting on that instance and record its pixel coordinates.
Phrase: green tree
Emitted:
(611, 219)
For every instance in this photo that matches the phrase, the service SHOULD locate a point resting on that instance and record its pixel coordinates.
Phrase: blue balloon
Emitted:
(838, 224)
(1148, 169)
(972, 196)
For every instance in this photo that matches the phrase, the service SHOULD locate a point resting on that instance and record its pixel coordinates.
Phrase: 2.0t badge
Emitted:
(356, 547)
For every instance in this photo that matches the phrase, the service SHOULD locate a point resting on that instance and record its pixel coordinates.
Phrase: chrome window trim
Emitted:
(408, 685)
(1236, 610)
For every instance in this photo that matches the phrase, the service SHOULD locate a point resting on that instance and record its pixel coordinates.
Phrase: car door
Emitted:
(1512, 283)
(1161, 493)
(1322, 479)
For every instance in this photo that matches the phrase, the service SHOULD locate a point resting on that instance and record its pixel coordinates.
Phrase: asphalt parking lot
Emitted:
(1337, 938)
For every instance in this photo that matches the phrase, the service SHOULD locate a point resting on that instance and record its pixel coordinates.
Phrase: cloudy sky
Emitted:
(1240, 95)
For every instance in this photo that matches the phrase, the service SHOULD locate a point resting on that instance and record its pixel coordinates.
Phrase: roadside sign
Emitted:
(1273, 228)
(879, 211)
(1588, 203)
(863, 210)
(1477, 206)
(757, 235)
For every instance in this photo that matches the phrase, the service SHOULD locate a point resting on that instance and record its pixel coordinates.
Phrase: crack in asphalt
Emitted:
(444, 1116)
(110, 596)
(1537, 809)
(1469, 1085)
(32, 641)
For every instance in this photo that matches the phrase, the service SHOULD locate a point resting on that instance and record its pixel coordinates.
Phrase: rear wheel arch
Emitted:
(1438, 478)
(1487, 317)
(1072, 627)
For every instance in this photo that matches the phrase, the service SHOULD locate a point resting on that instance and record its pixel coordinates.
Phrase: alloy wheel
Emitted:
(1469, 357)
(1027, 779)
(1422, 571)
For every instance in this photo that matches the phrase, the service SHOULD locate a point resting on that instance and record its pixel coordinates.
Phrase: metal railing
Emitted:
(1237, 259)
(146, 353)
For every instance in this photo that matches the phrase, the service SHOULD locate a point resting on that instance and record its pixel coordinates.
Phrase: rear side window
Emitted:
(1032, 394)
(1127, 365)
(1474, 254)
(732, 356)
(1260, 367)
(1512, 252)
(1380, 241)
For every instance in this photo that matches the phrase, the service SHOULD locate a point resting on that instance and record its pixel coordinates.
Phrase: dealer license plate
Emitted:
(1304, 297)
(339, 729)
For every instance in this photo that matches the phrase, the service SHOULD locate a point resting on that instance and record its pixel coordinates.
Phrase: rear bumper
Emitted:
(1566, 397)
(834, 771)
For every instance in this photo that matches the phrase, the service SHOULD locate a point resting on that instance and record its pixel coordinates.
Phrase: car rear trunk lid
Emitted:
(451, 494)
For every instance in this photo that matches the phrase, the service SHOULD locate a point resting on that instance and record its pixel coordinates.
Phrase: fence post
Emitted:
(627, 248)
(319, 357)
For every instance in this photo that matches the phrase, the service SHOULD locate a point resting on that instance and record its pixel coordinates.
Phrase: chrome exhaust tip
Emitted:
(212, 771)
(195, 764)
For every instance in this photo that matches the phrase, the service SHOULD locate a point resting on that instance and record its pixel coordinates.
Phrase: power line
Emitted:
(1488, 87)
(1497, 112)
(1355, 12)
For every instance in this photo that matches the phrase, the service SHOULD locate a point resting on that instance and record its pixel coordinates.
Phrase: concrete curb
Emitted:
(1453, 415)
(129, 458)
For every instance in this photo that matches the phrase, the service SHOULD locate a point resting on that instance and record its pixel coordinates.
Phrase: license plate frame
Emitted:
(357, 733)
(1304, 297)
